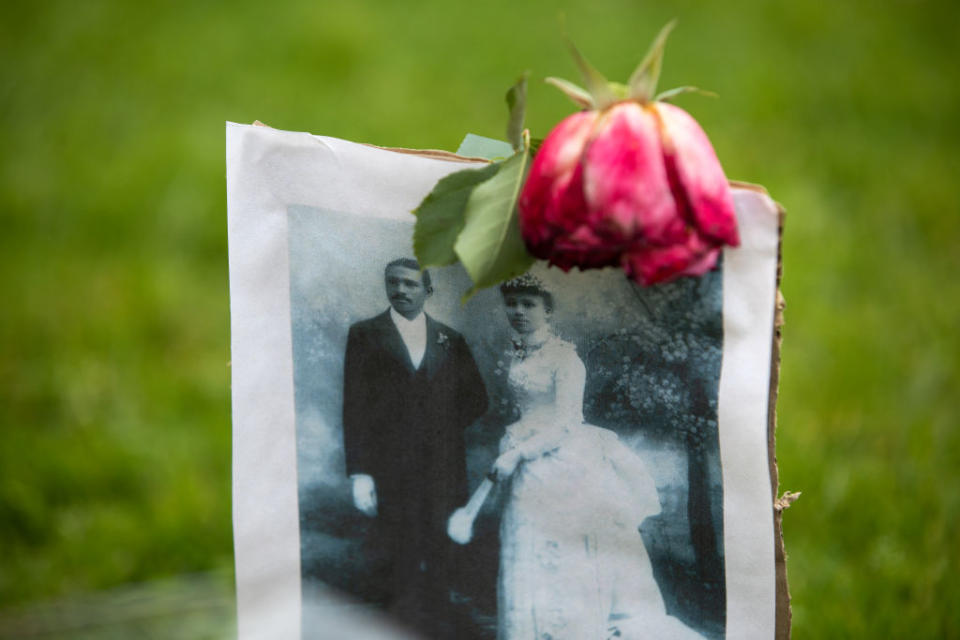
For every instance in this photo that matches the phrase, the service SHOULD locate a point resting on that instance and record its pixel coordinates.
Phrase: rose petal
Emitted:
(552, 197)
(652, 264)
(625, 180)
(698, 178)
(585, 249)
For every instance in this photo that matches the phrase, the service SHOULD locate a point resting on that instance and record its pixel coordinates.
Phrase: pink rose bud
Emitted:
(634, 183)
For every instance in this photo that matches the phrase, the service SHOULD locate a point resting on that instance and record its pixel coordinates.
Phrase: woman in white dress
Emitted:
(573, 565)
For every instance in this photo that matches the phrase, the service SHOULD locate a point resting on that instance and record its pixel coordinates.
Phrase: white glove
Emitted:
(364, 494)
(460, 526)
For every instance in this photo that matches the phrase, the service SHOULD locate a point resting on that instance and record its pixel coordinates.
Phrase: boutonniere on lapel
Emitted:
(443, 340)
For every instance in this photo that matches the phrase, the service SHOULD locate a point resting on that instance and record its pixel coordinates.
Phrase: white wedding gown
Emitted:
(573, 565)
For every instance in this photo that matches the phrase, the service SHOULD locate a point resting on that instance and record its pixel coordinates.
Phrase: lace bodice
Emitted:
(548, 384)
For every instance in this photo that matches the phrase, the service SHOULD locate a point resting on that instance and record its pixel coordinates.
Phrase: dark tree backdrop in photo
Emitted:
(655, 380)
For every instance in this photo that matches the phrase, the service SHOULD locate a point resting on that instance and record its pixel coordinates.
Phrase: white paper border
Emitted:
(749, 295)
(268, 169)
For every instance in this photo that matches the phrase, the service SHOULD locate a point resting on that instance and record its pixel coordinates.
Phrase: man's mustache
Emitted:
(400, 297)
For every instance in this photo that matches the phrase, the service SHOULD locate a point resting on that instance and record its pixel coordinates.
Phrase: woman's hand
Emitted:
(505, 465)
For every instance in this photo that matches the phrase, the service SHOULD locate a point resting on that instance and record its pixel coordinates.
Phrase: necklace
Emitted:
(523, 349)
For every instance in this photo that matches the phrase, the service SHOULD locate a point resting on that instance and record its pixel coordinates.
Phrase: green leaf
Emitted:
(490, 245)
(480, 147)
(597, 85)
(669, 94)
(580, 96)
(442, 215)
(517, 103)
(643, 82)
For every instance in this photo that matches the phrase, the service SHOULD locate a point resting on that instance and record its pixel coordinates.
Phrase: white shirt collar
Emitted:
(414, 335)
(403, 324)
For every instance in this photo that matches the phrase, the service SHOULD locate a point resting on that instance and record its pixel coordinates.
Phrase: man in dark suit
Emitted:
(411, 387)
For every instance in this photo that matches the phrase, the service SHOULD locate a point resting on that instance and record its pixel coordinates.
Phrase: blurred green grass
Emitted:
(114, 449)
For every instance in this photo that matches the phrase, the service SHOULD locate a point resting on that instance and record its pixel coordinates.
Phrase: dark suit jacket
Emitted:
(405, 427)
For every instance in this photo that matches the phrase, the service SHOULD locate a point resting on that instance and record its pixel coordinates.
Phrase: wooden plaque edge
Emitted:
(784, 614)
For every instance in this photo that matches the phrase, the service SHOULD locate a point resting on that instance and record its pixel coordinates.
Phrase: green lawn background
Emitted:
(114, 344)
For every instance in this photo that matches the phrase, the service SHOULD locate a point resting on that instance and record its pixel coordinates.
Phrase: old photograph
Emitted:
(540, 461)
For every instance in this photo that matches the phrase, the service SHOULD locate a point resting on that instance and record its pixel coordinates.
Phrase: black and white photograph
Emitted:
(564, 455)
(540, 461)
